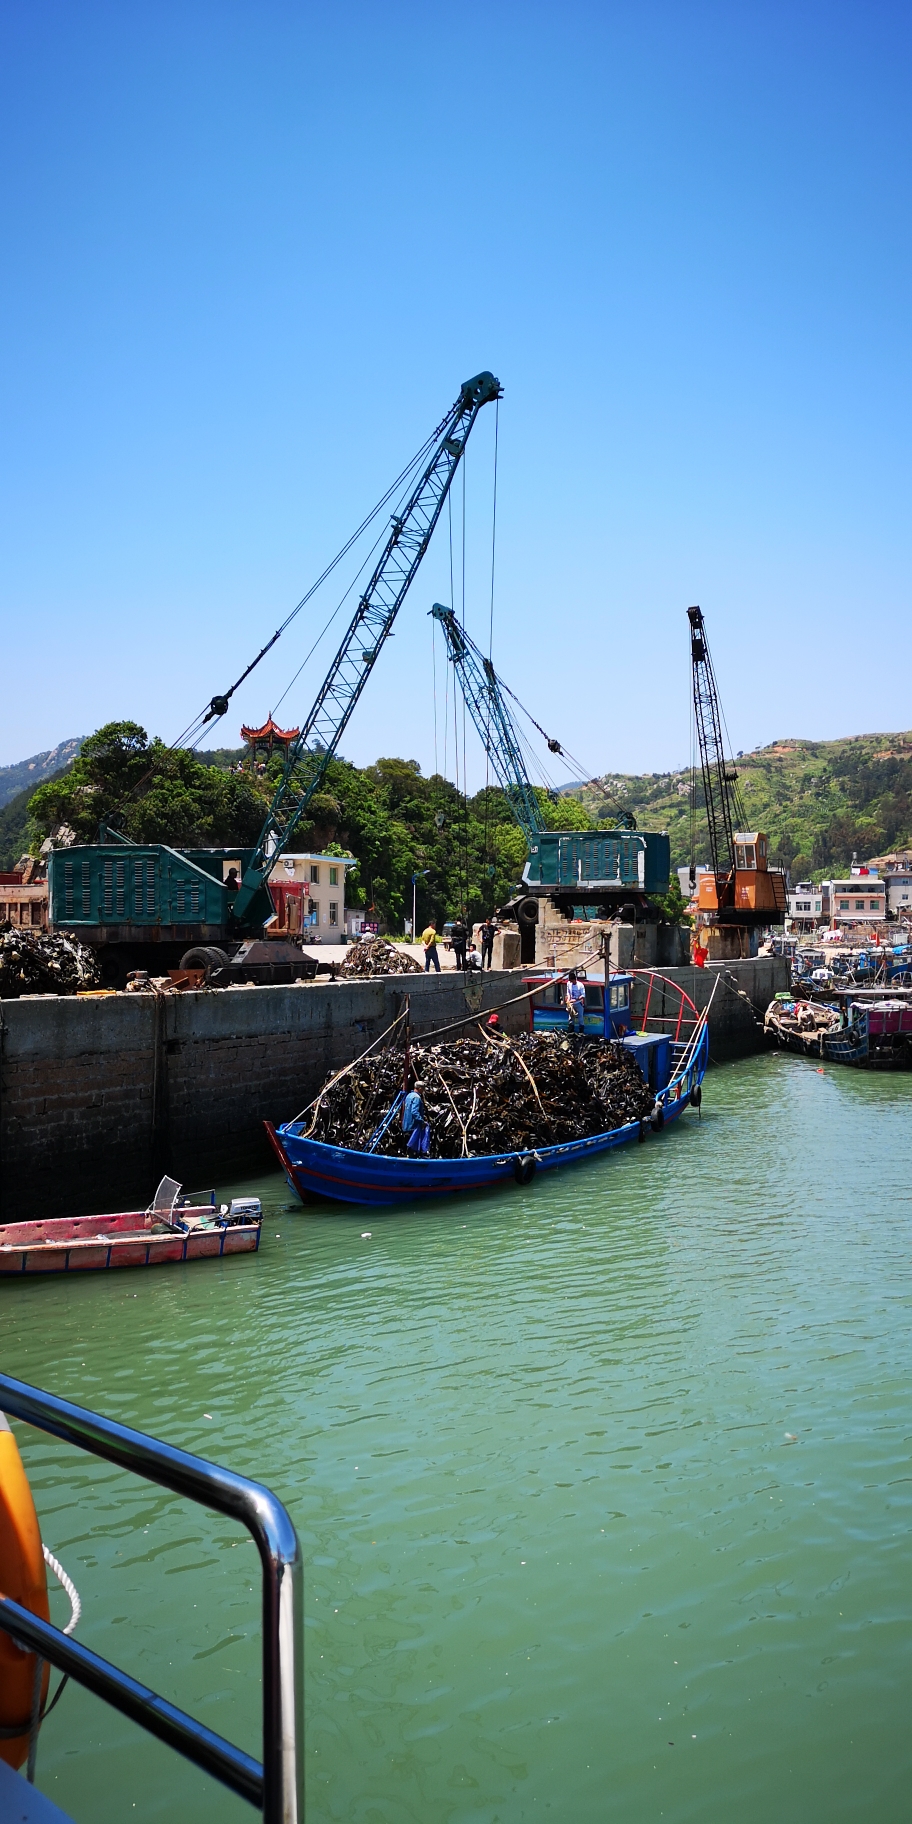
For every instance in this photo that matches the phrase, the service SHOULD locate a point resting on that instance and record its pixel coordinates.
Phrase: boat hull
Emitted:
(343, 1175)
(74, 1244)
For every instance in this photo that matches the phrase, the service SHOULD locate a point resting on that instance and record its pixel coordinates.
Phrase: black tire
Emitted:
(644, 1131)
(527, 912)
(657, 1119)
(524, 1167)
(204, 956)
(696, 1096)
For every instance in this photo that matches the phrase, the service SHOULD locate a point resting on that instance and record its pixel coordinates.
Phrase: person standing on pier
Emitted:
(459, 937)
(488, 934)
(429, 940)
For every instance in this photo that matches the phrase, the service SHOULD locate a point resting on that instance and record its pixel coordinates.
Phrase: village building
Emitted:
(308, 892)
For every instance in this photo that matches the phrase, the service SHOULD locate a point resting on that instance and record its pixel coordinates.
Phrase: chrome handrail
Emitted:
(278, 1784)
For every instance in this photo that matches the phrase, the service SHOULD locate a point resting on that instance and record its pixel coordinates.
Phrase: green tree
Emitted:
(152, 793)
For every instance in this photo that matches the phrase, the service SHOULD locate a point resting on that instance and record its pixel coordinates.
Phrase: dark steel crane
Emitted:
(310, 754)
(743, 891)
(723, 803)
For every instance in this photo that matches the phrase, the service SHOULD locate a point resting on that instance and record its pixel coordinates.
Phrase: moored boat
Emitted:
(315, 1168)
(169, 1231)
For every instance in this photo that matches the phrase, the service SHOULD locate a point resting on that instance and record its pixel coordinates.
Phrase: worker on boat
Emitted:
(429, 940)
(414, 1120)
(458, 937)
(575, 1003)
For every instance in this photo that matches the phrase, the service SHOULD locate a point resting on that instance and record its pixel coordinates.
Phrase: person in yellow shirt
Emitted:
(429, 940)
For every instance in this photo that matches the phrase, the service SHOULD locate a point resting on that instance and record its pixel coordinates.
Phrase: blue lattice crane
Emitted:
(602, 868)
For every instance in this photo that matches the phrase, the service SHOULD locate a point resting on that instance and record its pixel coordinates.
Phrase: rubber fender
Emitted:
(644, 1129)
(23, 1577)
(696, 1096)
(657, 1118)
(524, 1167)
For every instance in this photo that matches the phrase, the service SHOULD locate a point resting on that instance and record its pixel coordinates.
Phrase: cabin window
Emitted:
(761, 848)
(595, 998)
(333, 879)
(618, 996)
(745, 855)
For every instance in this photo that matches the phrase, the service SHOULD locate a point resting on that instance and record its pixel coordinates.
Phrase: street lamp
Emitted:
(415, 880)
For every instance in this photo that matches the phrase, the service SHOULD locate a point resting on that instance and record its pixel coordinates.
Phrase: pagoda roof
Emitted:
(270, 731)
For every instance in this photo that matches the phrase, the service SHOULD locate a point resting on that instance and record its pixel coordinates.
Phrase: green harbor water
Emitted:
(604, 1486)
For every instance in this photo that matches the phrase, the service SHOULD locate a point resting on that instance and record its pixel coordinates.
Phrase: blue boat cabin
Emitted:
(548, 1012)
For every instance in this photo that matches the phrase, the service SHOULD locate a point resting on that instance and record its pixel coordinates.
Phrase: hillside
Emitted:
(34, 771)
(818, 801)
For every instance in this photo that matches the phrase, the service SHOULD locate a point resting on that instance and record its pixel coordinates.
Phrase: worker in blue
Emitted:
(414, 1120)
(575, 1003)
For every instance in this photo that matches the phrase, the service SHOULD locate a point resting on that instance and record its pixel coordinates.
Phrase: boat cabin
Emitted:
(547, 1012)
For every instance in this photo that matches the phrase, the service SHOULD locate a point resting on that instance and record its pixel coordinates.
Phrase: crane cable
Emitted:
(213, 709)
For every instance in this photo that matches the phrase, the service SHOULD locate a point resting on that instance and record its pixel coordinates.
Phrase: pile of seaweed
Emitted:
(374, 956)
(36, 962)
(486, 1095)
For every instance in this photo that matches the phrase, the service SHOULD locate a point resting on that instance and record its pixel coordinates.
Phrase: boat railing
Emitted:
(275, 1786)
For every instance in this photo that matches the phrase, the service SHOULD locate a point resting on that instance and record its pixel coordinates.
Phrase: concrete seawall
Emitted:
(99, 1097)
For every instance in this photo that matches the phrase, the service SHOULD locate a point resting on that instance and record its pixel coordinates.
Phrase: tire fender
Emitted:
(524, 1165)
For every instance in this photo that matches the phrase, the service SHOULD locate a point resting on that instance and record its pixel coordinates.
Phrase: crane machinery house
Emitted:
(308, 892)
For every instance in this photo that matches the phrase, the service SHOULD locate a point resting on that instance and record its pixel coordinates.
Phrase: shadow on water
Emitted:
(603, 1484)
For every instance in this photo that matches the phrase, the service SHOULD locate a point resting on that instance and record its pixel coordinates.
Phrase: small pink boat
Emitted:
(171, 1229)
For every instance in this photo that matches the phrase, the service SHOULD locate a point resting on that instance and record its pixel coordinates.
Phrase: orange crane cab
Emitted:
(758, 891)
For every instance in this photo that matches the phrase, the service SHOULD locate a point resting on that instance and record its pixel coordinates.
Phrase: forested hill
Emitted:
(819, 801)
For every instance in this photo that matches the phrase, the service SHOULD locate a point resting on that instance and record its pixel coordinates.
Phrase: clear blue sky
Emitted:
(251, 251)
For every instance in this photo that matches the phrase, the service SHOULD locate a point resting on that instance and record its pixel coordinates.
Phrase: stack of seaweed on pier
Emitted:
(374, 956)
(486, 1095)
(39, 962)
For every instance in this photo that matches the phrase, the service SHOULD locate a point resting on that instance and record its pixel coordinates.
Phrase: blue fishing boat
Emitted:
(315, 1169)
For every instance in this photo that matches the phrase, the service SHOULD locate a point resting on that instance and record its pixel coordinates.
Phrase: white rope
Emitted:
(67, 1584)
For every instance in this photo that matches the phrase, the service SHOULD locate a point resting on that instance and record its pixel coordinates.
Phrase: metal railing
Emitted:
(275, 1786)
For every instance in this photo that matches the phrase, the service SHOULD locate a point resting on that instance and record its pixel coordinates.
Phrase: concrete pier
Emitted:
(98, 1097)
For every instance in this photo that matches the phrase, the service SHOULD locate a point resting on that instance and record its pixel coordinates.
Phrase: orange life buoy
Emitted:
(23, 1577)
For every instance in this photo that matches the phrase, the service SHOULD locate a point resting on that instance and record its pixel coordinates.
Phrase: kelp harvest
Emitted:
(485, 1095)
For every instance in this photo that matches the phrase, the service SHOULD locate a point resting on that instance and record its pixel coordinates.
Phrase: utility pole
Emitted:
(415, 880)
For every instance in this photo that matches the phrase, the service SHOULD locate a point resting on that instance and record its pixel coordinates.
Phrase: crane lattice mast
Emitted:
(310, 754)
(719, 775)
(481, 690)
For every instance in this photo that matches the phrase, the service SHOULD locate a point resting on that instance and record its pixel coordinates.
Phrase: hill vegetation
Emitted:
(820, 802)
(467, 852)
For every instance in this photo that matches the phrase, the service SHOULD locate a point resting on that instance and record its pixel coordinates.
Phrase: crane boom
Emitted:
(310, 754)
(719, 776)
(481, 690)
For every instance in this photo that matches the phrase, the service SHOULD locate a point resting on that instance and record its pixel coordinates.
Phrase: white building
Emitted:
(309, 895)
(807, 904)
